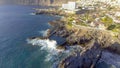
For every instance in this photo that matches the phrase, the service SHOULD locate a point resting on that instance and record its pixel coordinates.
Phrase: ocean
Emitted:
(17, 24)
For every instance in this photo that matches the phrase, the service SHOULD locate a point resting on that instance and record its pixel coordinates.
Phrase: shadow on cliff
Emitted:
(115, 48)
(89, 57)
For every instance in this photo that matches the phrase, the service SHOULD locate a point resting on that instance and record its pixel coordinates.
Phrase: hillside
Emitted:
(36, 2)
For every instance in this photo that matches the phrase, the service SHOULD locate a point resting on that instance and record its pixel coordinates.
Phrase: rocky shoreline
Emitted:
(97, 44)
(94, 42)
(51, 11)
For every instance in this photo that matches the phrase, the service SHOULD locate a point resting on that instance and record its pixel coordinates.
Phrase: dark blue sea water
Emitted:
(16, 25)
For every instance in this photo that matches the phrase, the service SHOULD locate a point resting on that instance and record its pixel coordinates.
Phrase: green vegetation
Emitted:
(117, 29)
(82, 23)
(110, 7)
(114, 28)
(70, 19)
(87, 17)
(107, 21)
(111, 27)
(118, 26)
(79, 7)
(68, 26)
(69, 22)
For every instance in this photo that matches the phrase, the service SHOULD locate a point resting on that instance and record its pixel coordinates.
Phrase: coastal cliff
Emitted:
(95, 44)
(94, 31)
(36, 2)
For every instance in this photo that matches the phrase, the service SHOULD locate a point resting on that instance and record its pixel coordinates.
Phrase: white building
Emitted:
(118, 1)
(117, 14)
(69, 6)
(72, 5)
(64, 6)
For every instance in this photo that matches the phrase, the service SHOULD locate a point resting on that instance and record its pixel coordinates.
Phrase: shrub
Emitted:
(111, 27)
(107, 20)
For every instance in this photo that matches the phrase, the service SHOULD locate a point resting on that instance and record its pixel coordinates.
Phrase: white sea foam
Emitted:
(46, 44)
(54, 54)
(44, 32)
(32, 14)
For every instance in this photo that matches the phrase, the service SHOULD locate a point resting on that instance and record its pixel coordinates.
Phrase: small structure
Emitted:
(69, 6)
(92, 24)
(65, 6)
(68, 11)
(118, 1)
(101, 26)
(97, 24)
(117, 14)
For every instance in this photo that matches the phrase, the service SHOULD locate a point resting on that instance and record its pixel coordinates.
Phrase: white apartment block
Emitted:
(69, 6)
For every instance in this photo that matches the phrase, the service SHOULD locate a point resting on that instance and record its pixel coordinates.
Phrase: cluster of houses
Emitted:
(72, 7)
(97, 24)
(112, 2)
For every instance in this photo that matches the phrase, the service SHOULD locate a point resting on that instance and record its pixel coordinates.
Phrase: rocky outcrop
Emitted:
(58, 27)
(51, 11)
(94, 42)
(82, 35)
(115, 48)
(88, 58)
(92, 56)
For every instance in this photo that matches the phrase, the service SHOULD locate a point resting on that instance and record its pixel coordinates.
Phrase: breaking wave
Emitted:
(45, 43)
(54, 55)
(44, 32)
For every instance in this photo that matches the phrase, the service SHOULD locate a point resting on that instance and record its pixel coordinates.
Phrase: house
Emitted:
(92, 24)
(117, 14)
(72, 5)
(65, 6)
(69, 6)
(97, 24)
(101, 26)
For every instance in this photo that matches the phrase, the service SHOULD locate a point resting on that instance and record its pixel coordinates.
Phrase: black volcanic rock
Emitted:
(88, 58)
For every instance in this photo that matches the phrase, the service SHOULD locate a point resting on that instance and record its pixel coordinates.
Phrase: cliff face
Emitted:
(37, 2)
